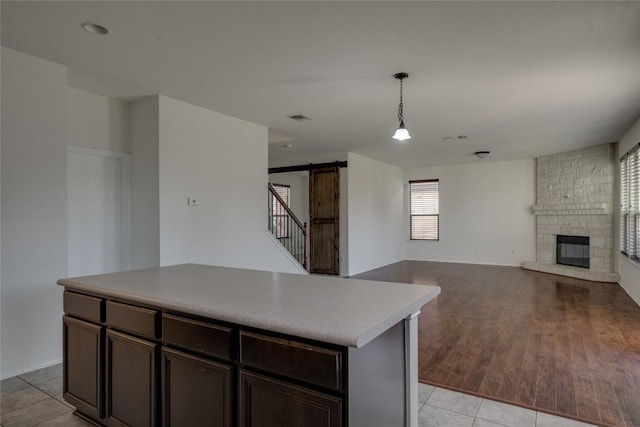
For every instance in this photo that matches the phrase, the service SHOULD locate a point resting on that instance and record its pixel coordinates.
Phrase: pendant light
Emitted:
(401, 133)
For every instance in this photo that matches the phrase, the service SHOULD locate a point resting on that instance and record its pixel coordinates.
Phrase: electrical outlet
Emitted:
(192, 201)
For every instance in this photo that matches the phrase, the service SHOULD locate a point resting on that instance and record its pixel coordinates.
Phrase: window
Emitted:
(630, 204)
(280, 215)
(424, 209)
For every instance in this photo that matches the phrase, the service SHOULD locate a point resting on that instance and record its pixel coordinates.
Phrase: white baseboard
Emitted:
(21, 371)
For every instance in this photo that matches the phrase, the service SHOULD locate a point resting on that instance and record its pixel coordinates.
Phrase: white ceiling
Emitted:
(520, 79)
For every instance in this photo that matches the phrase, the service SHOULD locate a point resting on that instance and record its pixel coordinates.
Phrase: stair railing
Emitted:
(287, 228)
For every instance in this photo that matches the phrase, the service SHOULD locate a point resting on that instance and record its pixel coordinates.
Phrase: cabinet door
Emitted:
(195, 391)
(82, 377)
(131, 380)
(266, 402)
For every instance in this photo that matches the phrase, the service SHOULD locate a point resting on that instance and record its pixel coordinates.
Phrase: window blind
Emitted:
(424, 207)
(283, 191)
(630, 204)
(624, 205)
(280, 215)
(634, 203)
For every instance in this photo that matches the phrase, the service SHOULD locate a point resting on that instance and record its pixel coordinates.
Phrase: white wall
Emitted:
(221, 161)
(485, 213)
(629, 272)
(376, 209)
(98, 122)
(145, 204)
(34, 211)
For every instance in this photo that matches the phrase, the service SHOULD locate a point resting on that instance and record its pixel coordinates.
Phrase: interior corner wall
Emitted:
(222, 162)
(376, 209)
(98, 122)
(145, 194)
(629, 272)
(344, 222)
(485, 213)
(34, 211)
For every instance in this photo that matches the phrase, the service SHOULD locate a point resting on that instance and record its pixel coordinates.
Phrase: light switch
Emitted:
(192, 201)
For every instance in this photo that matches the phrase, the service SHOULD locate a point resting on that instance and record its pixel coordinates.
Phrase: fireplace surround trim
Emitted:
(572, 209)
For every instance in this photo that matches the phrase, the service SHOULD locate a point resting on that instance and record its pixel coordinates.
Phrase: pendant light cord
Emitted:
(400, 106)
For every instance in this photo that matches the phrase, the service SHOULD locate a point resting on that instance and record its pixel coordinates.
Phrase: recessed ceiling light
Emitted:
(94, 28)
(482, 154)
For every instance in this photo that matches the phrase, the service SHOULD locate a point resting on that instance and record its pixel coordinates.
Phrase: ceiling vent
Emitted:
(451, 138)
(299, 117)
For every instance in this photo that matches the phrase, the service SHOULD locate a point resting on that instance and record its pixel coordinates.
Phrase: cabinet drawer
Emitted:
(129, 318)
(83, 306)
(316, 365)
(198, 336)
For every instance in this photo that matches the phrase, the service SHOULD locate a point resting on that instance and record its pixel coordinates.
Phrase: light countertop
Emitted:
(340, 311)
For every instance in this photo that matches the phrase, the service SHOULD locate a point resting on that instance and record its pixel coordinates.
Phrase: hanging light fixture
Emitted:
(401, 133)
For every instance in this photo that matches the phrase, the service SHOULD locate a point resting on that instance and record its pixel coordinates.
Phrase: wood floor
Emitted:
(547, 342)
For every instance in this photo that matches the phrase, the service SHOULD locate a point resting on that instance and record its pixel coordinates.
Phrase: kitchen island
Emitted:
(202, 345)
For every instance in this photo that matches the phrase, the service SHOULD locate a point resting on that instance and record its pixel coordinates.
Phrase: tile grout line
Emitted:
(40, 390)
(49, 419)
(451, 410)
(32, 403)
(475, 417)
(482, 400)
(40, 401)
(49, 396)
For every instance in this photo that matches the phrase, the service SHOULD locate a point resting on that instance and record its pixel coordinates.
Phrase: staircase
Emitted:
(287, 228)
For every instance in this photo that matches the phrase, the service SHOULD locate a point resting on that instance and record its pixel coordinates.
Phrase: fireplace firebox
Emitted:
(572, 250)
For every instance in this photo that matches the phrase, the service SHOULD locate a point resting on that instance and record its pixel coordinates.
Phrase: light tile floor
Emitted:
(35, 399)
(442, 407)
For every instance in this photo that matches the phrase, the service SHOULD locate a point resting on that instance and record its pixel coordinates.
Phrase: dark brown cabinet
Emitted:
(195, 391)
(131, 366)
(130, 380)
(83, 374)
(267, 402)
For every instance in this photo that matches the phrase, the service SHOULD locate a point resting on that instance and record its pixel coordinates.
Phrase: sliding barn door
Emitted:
(324, 214)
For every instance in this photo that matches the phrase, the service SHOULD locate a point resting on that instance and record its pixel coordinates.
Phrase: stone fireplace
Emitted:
(575, 199)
